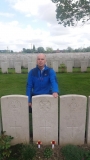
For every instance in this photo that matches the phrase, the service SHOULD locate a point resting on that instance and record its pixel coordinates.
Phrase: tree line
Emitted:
(49, 50)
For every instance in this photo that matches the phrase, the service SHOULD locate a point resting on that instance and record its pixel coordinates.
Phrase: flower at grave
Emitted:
(39, 143)
(53, 143)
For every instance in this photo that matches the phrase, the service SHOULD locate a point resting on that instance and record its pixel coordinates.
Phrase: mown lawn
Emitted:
(69, 83)
(74, 83)
(12, 84)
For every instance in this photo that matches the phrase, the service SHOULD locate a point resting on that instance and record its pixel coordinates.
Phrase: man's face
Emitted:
(41, 61)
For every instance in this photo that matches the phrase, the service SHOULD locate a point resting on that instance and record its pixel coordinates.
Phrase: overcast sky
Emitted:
(24, 23)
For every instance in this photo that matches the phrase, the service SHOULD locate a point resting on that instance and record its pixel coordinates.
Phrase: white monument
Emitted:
(72, 119)
(15, 117)
(45, 118)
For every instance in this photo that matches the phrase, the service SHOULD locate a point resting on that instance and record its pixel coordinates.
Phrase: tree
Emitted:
(34, 48)
(49, 50)
(40, 50)
(69, 12)
(27, 50)
(24, 50)
(69, 49)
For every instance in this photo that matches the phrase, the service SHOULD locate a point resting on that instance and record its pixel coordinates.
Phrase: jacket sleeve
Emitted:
(29, 86)
(53, 80)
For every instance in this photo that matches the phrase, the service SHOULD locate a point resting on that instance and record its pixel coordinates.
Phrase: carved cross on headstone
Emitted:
(45, 128)
(72, 117)
(45, 105)
(16, 128)
(72, 130)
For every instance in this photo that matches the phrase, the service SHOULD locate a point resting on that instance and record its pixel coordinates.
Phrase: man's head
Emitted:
(41, 60)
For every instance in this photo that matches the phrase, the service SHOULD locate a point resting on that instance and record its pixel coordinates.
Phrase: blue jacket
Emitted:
(41, 83)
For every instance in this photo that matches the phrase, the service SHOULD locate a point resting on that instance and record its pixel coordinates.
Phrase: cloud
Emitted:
(42, 9)
(27, 6)
(6, 14)
(13, 34)
(47, 12)
(36, 24)
(16, 37)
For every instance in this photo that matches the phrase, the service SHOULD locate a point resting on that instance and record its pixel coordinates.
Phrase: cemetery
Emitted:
(56, 122)
(70, 60)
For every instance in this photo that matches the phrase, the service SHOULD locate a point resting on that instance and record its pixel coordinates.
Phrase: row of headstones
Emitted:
(17, 67)
(69, 64)
(59, 57)
(54, 65)
(64, 125)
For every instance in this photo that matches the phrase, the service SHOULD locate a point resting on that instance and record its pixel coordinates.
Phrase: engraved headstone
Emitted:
(88, 122)
(11, 63)
(55, 66)
(84, 65)
(72, 119)
(77, 62)
(0, 118)
(25, 62)
(48, 63)
(69, 66)
(17, 67)
(4, 67)
(31, 65)
(45, 118)
(89, 62)
(15, 117)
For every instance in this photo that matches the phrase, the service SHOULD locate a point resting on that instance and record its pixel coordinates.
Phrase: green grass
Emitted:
(74, 83)
(69, 83)
(12, 84)
(74, 70)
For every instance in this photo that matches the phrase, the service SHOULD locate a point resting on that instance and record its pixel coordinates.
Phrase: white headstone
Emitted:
(48, 63)
(55, 66)
(25, 62)
(88, 122)
(60, 61)
(84, 65)
(0, 118)
(4, 67)
(45, 118)
(69, 66)
(0, 63)
(77, 63)
(11, 63)
(89, 62)
(17, 67)
(31, 65)
(72, 119)
(15, 117)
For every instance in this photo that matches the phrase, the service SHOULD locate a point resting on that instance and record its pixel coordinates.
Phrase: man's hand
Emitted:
(30, 105)
(55, 94)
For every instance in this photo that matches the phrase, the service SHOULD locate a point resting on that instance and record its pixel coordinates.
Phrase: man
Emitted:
(41, 80)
